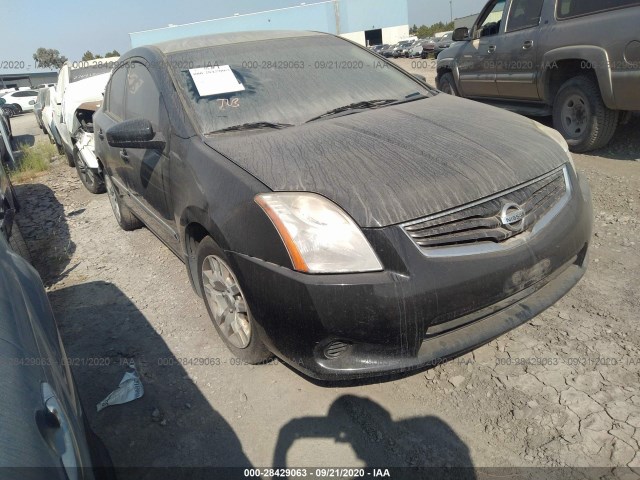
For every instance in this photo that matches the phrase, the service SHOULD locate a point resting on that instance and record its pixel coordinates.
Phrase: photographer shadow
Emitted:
(425, 444)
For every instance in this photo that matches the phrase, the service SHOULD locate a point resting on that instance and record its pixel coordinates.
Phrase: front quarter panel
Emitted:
(208, 189)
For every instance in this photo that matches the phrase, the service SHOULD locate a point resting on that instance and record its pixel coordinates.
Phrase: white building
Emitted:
(368, 22)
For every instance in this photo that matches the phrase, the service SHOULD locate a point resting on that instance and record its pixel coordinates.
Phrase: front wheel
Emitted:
(70, 160)
(580, 115)
(227, 305)
(447, 84)
(89, 178)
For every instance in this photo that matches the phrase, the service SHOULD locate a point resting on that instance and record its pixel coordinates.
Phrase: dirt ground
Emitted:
(562, 390)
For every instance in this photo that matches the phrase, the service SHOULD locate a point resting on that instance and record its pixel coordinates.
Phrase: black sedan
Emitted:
(44, 432)
(316, 218)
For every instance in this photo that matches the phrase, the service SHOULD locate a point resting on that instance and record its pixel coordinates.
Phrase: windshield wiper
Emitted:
(252, 126)
(355, 106)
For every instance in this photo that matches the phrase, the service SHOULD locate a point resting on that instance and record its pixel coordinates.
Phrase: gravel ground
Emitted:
(123, 297)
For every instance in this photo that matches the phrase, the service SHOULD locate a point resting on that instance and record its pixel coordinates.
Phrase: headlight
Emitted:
(557, 136)
(318, 235)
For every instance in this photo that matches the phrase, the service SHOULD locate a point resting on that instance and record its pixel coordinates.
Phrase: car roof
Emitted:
(218, 39)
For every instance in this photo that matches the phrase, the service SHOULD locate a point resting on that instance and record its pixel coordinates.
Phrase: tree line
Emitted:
(51, 58)
(425, 32)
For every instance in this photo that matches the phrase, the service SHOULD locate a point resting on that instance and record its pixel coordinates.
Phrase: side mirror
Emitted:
(136, 133)
(460, 34)
(422, 78)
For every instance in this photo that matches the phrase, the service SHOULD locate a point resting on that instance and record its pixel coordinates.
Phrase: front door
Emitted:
(147, 178)
(477, 65)
(112, 113)
(516, 51)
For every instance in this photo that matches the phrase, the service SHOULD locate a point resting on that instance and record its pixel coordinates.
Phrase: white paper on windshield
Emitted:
(215, 80)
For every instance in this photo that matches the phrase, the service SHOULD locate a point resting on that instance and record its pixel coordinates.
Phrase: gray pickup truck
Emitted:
(577, 60)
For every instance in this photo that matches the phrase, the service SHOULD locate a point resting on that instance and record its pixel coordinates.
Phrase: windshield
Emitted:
(287, 82)
(81, 70)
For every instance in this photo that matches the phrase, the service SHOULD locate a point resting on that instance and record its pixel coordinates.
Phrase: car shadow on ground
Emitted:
(173, 426)
(427, 444)
(43, 224)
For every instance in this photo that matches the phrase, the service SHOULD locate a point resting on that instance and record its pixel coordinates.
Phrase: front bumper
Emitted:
(421, 310)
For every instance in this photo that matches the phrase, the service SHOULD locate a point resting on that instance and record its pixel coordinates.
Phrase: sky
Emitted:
(101, 26)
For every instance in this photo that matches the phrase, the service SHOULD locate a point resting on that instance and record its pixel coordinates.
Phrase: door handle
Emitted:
(527, 45)
(124, 156)
(492, 48)
(100, 135)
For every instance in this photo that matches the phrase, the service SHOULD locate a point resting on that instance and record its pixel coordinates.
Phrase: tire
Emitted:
(580, 115)
(247, 347)
(91, 180)
(70, 160)
(60, 149)
(447, 84)
(18, 244)
(125, 218)
(9, 112)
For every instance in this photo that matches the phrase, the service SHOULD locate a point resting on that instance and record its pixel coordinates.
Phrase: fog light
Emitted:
(335, 349)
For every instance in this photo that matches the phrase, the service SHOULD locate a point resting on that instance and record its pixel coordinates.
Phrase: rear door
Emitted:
(477, 64)
(516, 50)
(148, 175)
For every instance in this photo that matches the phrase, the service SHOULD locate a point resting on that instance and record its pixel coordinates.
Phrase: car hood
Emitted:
(399, 163)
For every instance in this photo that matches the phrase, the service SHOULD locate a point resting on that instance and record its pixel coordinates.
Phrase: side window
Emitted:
(19, 94)
(31, 93)
(524, 14)
(144, 99)
(115, 93)
(574, 8)
(490, 24)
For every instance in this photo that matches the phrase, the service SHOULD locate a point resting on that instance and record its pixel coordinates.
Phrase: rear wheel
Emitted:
(89, 178)
(448, 85)
(125, 218)
(580, 115)
(227, 305)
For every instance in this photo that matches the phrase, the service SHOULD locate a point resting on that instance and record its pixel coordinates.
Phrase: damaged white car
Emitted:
(78, 95)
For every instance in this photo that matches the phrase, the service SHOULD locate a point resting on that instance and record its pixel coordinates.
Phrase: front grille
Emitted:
(491, 220)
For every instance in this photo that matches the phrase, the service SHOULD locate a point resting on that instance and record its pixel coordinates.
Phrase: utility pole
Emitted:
(451, 8)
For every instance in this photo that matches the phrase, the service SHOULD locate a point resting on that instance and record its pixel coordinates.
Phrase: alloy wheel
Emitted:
(226, 301)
